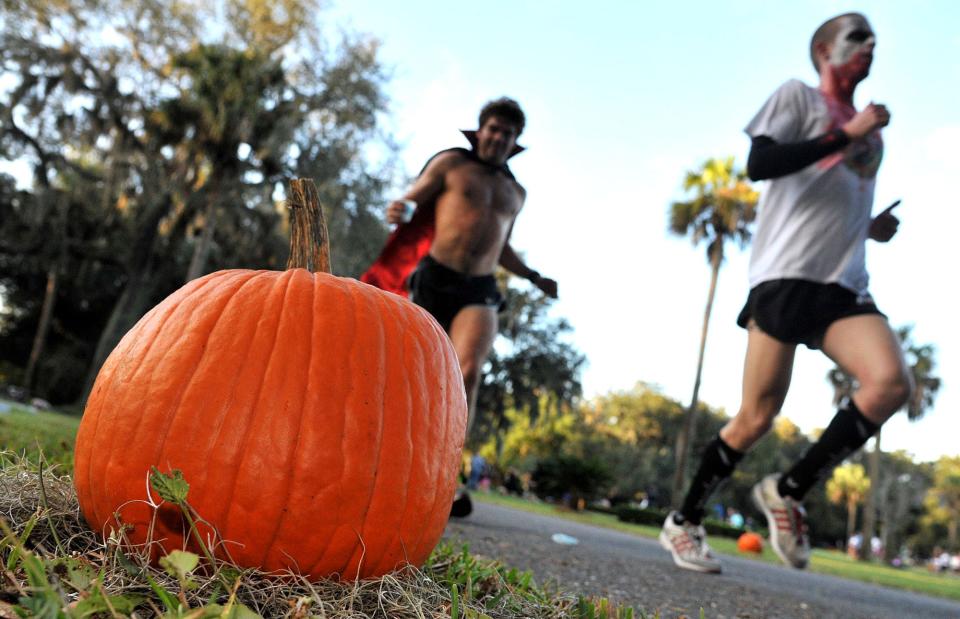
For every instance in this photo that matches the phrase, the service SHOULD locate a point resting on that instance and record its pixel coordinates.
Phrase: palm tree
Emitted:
(722, 209)
(943, 498)
(849, 486)
(921, 362)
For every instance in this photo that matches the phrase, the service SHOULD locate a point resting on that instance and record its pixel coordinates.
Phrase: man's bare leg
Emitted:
(472, 331)
(866, 348)
(766, 379)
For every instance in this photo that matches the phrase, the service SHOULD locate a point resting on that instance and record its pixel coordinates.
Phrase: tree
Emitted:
(942, 502)
(531, 368)
(721, 210)
(168, 153)
(637, 427)
(921, 362)
(848, 486)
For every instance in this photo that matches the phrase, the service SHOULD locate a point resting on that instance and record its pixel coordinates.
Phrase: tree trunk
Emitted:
(685, 437)
(952, 533)
(199, 259)
(851, 522)
(133, 301)
(43, 327)
(870, 504)
(49, 301)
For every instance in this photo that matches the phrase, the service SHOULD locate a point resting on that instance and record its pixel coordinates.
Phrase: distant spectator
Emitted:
(853, 544)
(940, 562)
(735, 518)
(478, 468)
(876, 547)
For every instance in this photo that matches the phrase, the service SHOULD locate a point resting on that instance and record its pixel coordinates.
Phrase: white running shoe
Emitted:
(786, 520)
(688, 545)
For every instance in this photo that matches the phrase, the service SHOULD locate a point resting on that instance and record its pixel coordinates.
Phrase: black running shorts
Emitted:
(444, 292)
(796, 311)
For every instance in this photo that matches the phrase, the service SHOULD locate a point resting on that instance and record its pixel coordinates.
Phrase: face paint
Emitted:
(855, 38)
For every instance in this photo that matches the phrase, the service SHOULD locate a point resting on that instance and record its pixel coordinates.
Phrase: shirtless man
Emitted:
(476, 201)
(809, 285)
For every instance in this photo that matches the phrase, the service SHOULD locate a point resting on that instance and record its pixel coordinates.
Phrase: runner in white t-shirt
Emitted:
(809, 285)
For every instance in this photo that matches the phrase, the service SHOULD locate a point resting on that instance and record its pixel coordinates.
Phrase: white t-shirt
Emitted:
(813, 224)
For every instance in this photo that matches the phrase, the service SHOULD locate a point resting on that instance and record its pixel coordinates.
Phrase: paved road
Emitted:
(636, 571)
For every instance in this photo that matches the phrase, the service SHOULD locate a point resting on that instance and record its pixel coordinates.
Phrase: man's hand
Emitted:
(547, 285)
(884, 225)
(866, 121)
(397, 212)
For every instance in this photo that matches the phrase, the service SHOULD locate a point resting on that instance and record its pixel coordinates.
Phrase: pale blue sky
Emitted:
(621, 99)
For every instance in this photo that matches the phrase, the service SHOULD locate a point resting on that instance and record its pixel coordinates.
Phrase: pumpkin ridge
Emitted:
(255, 277)
(438, 495)
(402, 324)
(359, 546)
(256, 400)
(410, 334)
(96, 500)
(291, 478)
(271, 278)
(434, 472)
(339, 502)
(83, 452)
(337, 478)
(185, 383)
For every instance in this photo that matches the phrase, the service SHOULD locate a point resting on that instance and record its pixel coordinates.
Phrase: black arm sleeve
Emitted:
(770, 159)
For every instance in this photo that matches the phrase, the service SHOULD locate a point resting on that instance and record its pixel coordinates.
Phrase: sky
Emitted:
(621, 99)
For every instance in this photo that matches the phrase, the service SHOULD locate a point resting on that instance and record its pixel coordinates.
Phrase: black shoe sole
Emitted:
(462, 506)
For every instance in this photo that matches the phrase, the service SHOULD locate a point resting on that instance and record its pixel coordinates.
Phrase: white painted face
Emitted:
(854, 37)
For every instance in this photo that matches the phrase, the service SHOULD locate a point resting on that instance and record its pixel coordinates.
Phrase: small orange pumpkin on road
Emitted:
(750, 542)
(319, 421)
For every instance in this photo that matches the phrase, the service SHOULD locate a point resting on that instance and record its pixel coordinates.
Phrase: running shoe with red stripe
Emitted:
(688, 545)
(786, 520)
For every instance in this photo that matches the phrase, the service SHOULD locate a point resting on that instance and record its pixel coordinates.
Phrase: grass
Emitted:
(24, 431)
(822, 561)
(54, 566)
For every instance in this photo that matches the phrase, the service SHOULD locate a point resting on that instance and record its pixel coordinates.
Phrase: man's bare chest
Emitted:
(480, 187)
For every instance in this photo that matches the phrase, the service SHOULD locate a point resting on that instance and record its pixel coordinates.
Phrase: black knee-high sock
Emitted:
(719, 460)
(847, 432)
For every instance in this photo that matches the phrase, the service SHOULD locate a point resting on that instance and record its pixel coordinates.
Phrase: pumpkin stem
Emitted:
(309, 241)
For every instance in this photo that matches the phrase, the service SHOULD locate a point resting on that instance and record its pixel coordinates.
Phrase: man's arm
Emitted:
(427, 187)
(512, 262)
(771, 159)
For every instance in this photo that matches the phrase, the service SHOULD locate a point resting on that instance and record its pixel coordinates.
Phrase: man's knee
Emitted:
(755, 421)
(471, 372)
(749, 425)
(887, 390)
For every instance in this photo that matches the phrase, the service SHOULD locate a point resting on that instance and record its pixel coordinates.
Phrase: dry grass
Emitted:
(73, 565)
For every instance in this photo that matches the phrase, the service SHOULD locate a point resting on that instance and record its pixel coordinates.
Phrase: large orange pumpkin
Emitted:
(750, 542)
(319, 421)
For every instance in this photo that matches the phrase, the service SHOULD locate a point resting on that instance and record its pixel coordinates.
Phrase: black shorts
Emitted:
(796, 311)
(444, 292)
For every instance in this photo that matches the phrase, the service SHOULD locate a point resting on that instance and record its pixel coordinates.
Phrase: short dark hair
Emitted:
(826, 33)
(505, 108)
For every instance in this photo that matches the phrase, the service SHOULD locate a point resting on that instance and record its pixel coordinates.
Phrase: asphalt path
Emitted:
(637, 571)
